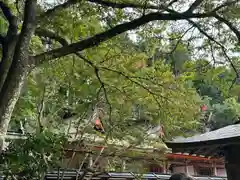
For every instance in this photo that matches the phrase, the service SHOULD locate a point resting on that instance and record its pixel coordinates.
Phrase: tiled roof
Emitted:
(210, 144)
(223, 133)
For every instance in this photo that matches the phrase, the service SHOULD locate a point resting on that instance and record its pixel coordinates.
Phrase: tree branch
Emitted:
(96, 70)
(8, 43)
(28, 29)
(228, 3)
(6, 11)
(63, 41)
(219, 44)
(172, 2)
(12, 20)
(230, 25)
(104, 36)
(122, 5)
(179, 40)
(1, 39)
(58, 7)
(51, 35)
(194, 5)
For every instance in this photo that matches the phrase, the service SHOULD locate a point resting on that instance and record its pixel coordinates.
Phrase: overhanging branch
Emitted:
(51, 35)
(6, 11)
(58, 7)
(119, 5)
(218, 43)
(230, 25)
(194, 5)
(122, 5)
(104, 36)
(228, 3)
(96, 70)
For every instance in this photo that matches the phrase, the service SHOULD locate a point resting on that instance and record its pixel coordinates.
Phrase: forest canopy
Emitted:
(167, 59)
(121, 67)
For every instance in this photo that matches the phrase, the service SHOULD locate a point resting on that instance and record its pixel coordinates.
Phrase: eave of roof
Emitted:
(210, 144)
(231, 131)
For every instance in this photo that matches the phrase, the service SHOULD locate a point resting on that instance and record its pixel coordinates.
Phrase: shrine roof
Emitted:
(207, 144)
(222, 133)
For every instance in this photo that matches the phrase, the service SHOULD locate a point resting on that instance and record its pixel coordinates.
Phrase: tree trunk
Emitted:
(10, 94)
(7, 57)
(19, 68)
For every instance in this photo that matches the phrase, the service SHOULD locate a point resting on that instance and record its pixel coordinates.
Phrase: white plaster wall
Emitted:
(191, 170)
(182, 169)
(221, 172)
(179, 169)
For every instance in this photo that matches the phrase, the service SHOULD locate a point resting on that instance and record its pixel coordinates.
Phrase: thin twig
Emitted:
(218, 43)
(41, 109)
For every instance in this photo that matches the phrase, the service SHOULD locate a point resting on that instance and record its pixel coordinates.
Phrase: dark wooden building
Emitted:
(221, 143)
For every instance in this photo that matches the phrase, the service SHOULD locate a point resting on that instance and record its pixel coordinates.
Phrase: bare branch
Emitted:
(212, 52)
(180, 39)
(194, 5)
(104, 36)
(104, 91)
(96, 70)
(219, 44)
(40, 109)
(228, 3)
(233, 82)
(131, 79)
(230, 25)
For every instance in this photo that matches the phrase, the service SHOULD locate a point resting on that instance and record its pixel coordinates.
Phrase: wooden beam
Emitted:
(213, 151)
(182, 163)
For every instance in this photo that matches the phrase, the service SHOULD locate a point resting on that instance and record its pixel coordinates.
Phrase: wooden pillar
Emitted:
(90, 161)
(164, 167)
(186, 168)
(214, 169)
(167, 166)
(232, 162)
